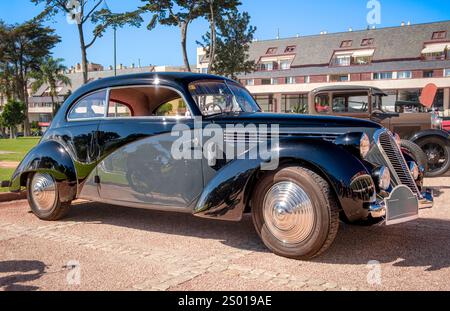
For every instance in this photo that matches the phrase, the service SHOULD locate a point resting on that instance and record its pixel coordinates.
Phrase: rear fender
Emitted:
(48, 157)
(430, 133)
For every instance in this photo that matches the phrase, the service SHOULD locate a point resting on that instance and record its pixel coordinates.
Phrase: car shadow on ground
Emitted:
(19, 272)
(423, 243)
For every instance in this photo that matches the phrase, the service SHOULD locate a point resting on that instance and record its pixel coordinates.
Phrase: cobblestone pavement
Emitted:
(103, 247)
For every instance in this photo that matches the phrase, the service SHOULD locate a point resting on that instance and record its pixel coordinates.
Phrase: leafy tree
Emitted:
(51, 73)
(24, 46)
(82, 12)
(214, 11)
(14, 113)
(233, 42)
(175, 13)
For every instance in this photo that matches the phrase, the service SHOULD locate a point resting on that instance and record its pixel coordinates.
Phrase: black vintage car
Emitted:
(119, 141)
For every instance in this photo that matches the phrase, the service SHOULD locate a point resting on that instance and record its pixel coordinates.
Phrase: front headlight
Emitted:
(382, 177)
(364, 145)
(357, 143)
(436, 121)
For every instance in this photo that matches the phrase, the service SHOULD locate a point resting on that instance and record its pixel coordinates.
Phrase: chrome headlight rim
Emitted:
(382, 175)
(364, 145)
(414, 169)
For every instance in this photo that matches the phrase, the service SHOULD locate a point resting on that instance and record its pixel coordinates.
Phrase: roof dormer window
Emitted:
(367, 42)
(346, 43)
(271, 51)
(439, 35)
(290, 49)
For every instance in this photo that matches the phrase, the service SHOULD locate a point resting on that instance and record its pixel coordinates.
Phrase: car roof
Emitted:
(374, 90)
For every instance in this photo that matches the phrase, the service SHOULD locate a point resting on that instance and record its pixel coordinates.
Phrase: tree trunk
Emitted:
(212, 48)
(53, 106)
(26, 126)
(184, 26)
(84, 62)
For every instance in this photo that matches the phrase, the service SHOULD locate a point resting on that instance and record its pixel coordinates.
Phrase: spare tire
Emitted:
(416, 153)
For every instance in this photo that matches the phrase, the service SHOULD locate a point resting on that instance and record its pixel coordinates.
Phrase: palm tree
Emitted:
(51, 73)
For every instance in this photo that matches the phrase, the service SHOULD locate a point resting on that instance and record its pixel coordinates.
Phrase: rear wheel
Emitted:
(438, 152)
(43, 197)
(295, 213)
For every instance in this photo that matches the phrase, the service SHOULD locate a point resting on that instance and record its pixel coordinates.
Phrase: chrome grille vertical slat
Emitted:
(398, 167)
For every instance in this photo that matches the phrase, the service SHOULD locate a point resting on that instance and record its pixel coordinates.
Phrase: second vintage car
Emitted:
(422, 132)
(113, 140)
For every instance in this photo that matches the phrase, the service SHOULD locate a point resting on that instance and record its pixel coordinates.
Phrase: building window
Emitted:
(290, 80)
(346, 43)
(382, 75)
(267, 66)
(439, 35)
(307, 79)
(428, 74)
(204, 70)
(290, 49)
(342, 60)
(339, 78)
(285, 64)
(404, 75)
(266, 102)
(274, 81)
(250, 82)
(357, 57)
(271, 51)
(436, 51)
(295, 103)
(447, 72)
(266, 81)
(367, 42)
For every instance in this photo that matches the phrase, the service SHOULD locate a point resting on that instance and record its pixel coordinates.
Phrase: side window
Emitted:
(145, 101)
(322, 103)
(89, 107)
(353, 103)
(173, 108)
(119, 110)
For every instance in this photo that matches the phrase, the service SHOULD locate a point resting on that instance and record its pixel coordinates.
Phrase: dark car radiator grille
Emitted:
(399, 169)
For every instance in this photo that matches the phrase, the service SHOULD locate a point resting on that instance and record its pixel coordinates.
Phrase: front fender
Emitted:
(428, 133)
(49, 157)
(226, 195)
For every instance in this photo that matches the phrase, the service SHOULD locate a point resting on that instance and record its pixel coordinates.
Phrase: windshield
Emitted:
(217, 97)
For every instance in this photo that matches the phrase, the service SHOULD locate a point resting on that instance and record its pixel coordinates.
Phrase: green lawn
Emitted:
(14, 150)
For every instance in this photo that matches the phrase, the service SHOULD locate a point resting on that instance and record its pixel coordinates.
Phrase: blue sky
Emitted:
(290, 17)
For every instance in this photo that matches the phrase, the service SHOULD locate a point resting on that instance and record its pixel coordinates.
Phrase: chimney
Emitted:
(132, 65)
(409, 23)
(403, 24)
(350, 29)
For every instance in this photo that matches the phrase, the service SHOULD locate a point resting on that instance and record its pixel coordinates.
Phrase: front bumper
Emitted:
(401, 206)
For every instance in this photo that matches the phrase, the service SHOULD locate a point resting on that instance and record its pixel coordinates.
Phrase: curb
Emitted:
(10, 196)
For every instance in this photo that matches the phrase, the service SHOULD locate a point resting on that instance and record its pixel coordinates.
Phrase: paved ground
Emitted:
(101, 247)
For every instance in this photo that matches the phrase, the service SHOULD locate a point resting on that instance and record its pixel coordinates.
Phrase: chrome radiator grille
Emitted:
(398, 167)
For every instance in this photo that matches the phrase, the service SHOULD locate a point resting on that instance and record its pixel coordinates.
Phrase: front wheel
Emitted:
(43, 197)
(438, 155)
(295, 213)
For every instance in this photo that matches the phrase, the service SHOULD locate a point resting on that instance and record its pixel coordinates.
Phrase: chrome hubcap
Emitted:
(43, 191)
(289, 213)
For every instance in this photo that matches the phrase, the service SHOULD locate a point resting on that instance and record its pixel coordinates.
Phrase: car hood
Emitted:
(295, 120)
